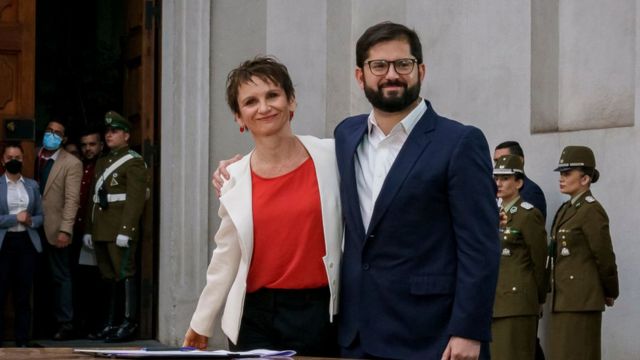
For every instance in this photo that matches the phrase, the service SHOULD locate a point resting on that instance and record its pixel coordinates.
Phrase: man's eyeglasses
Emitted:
(50, 130)
(381, 67)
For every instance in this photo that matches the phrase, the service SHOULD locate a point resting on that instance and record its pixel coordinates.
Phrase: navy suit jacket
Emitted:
(427, 266)
(34, 208)
(532, 193)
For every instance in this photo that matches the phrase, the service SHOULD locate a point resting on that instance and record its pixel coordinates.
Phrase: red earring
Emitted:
(241, 130)
(290, 115)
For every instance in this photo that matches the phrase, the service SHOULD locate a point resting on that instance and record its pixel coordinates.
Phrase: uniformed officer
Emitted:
(521, 288)
(585, 275)
(118, 192)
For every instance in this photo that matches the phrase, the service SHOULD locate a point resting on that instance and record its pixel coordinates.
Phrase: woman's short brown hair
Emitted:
(265, 68)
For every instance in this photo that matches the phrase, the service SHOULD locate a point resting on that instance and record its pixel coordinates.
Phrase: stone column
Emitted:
(184, 181)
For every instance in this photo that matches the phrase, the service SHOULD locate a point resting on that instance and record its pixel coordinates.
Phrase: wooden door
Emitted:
(140, 106)
(17, 84)
(17, 69)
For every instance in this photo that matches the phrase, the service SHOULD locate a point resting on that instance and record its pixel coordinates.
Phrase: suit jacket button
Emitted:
(365, 266)
(371, 236)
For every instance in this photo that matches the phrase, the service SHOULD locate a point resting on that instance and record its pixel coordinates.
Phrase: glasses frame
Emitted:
(388, 66)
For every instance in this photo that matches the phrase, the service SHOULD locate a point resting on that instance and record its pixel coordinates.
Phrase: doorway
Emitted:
(90, 57)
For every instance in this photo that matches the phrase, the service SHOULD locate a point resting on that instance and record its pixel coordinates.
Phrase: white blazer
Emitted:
(229, 267)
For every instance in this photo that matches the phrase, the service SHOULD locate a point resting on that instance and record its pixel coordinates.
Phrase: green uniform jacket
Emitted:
(120, 217)
(585, 269)
(522, 279)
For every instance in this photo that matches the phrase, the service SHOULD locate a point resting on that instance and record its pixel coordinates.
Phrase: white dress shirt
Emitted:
(17, 200)
(375, 156)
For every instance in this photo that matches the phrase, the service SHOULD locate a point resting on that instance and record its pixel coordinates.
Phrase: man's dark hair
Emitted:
(387, 31)
(60, 120)
(513, 146)
(92, 129)
(265, 68)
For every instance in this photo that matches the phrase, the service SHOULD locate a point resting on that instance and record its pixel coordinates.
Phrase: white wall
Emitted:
(479, 65)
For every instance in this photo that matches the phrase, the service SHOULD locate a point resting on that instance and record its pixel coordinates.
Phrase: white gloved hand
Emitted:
(122, 240)
(86, 239)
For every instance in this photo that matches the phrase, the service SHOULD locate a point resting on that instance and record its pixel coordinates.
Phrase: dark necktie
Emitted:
(44, 174)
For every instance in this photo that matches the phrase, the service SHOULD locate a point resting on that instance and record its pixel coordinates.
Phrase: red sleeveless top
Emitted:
(287, 231)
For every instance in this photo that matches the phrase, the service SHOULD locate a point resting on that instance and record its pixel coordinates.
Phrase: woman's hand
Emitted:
(609, 301)
(23, 217)
(503, 219)
(193, 339)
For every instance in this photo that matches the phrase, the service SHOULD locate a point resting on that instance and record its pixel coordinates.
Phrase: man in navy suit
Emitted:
(531, 192)
(421, 248)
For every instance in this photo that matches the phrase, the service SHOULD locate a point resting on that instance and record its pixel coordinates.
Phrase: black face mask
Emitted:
(13, 166)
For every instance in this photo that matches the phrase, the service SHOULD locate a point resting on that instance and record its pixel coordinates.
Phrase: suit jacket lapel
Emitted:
(237, 201)
(353, 200)
(4, 205)
(55, 170)
(416, 143)
(325, 184)
(570, 211)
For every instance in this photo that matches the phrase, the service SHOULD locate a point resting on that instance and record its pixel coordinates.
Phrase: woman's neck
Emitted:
(509, 200)
(13, 177)
(275, 149)
(275, 156)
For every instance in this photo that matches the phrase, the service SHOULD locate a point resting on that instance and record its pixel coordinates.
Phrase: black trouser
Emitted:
(288, 320)
(89, 300)
(17, 266)
(60, 265)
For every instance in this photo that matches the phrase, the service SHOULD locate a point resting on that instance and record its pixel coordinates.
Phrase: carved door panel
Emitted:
(17, 68)
(139, 105)
(17, 84)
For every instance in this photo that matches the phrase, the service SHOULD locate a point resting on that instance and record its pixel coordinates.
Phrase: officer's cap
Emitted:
(578, 157)
(114, 120)
(509, 165)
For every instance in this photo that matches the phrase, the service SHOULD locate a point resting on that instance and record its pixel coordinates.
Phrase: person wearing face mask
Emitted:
(20, 215)
(585, 274)
(59, 174)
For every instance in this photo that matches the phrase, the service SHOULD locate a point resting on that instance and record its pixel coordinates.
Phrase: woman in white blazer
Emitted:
(276, 265)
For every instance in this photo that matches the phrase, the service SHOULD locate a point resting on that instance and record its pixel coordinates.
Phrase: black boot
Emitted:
(109, 328)
(127, 329)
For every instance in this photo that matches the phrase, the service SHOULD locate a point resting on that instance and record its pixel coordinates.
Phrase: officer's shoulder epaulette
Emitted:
(134, 154)
(526, 205)
(589, 199)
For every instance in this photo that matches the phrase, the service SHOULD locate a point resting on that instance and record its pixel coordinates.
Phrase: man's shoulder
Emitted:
(351, 122)
(65, 158)
(533, 193)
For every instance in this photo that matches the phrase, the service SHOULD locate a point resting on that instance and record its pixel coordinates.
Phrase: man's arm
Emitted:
(72, 180)
(474, 213)
(137, 183)
(221, 174)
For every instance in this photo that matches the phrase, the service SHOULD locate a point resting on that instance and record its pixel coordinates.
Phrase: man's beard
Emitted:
(393, 103)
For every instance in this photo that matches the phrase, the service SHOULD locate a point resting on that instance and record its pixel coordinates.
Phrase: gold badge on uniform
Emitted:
(513, 209)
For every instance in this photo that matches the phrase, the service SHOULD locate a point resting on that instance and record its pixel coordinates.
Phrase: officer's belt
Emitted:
(111, 198)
